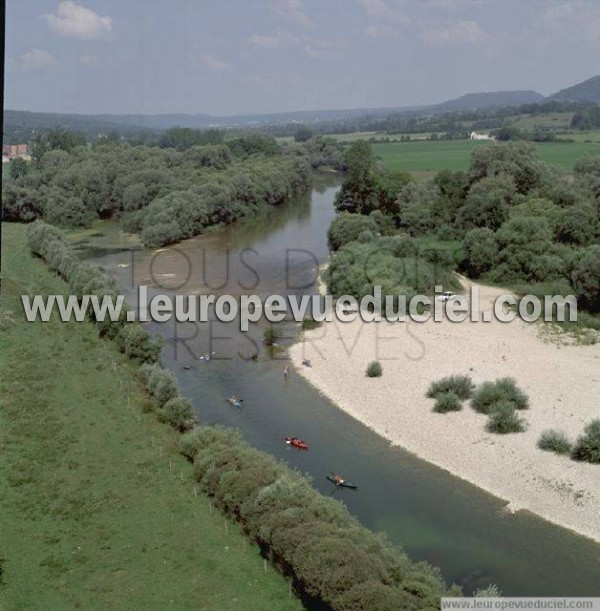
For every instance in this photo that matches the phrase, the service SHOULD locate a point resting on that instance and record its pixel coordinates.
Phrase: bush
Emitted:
(502, 390)
(554, 441)
(587, 447)
(302, 531)
(178, 412)
(137, 343)
(492, 591)
(271, 335)
(503, 419)
(462, 386)
(374, 370)
(447, 402)
(309, 323)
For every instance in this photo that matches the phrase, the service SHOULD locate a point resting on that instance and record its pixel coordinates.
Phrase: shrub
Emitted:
(309, 323)
(587, 447)
(374, 370)
(302, 531)
(178, 412)
(271, 335)
(462, 386)
(503, 418)
(159, 383)
(554, 441)
(502, 390)
(137, 343)
(447, 402)
(492, 591)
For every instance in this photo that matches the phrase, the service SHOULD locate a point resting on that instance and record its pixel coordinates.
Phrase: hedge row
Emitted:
(132, 339)
(334, 561)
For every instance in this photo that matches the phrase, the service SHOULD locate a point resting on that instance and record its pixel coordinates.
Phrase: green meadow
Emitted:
(435, 155)
(98, 509)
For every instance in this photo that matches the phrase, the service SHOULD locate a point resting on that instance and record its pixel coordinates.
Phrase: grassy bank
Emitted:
(98, 509)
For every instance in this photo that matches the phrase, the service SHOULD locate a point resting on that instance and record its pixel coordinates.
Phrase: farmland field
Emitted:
(432, 156)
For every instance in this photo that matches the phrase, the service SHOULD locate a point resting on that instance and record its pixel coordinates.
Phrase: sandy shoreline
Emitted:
(563, 384)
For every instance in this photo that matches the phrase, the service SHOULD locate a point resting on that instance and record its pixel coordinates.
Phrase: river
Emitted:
(435, 516)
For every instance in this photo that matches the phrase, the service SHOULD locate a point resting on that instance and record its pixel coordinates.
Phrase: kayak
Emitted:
(296, 443)
(343, 483)
(235, 403)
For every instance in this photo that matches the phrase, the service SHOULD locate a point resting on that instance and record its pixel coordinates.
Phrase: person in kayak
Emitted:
(338, 479)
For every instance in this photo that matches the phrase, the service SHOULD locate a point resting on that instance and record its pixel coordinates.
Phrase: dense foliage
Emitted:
(132, 339)
(333, 560)
(556, 441)
(503, 418)
(447, 402)
(503, 390)
(587, 447)
(460, 385)
(166, 194)
(519, 222)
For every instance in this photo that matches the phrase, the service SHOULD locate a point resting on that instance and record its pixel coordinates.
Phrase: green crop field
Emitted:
(98, 509)
(433, 156)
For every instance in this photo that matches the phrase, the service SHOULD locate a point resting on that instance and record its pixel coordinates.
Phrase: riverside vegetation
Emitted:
(192, 183)
(98, 508)
(303, 533)
(511, 219)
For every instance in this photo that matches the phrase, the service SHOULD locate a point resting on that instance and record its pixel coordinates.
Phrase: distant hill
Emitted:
(490, 99)
(586, 91)
(20, 125)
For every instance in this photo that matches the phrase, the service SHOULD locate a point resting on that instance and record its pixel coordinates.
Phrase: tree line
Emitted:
(517, 221)
(193, 181)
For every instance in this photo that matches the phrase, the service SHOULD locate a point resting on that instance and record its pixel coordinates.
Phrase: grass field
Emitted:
(98, 510)
(432, 156)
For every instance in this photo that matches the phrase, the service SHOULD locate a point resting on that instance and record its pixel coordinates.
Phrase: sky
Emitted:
(225, 57)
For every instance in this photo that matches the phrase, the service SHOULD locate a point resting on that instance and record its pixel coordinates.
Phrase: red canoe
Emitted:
(297, 443)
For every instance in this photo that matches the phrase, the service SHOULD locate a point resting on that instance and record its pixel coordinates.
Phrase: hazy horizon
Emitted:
(277, 56)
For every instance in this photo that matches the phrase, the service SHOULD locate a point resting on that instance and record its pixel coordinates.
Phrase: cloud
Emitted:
(76, 21)
(269, 42)
(378, 9)
(87, 59)
(35, 59)
(462, 32)
(575, 18)
(453, 4)
(381, 31)
(290, 10)
(319, 48)
(213, 63)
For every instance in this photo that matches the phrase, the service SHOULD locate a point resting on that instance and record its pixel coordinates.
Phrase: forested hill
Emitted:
(587, 91)
(491, 99)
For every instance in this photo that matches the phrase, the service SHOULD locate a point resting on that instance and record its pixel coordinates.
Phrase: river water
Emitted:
(433, 515)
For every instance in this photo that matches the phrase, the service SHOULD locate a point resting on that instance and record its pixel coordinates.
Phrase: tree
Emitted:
(18, 168)
(359, 193)
(303, 134)
(346, 227)
(488, 203)
(585, 277)
(515, 159)
(481, 251)
(577, 225)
